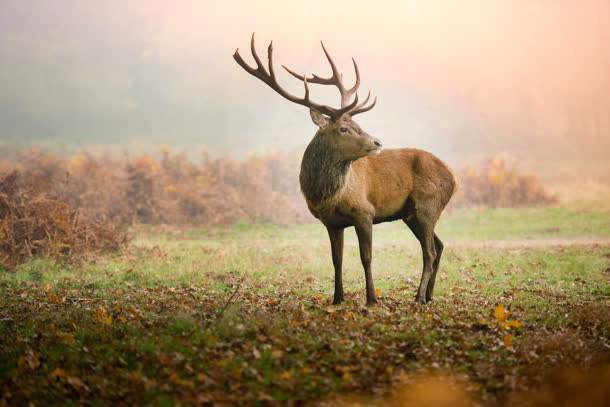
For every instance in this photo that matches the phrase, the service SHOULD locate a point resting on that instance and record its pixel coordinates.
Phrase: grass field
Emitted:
(243, 314)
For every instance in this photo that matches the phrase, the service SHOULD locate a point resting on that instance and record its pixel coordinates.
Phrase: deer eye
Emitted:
(343, 129)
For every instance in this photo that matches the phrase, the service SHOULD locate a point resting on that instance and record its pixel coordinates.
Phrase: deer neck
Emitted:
(324, 172)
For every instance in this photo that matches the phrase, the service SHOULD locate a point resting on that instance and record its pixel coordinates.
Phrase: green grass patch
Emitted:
(243, 314)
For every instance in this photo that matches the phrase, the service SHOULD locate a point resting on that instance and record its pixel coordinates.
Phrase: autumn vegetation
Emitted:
(66, 206)
(140, 280)
(36, 224)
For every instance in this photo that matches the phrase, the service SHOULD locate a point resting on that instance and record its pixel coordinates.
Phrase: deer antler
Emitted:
(269, 78)
(337, 80)
(362, 107)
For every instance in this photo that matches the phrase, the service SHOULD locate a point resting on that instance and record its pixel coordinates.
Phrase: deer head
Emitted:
(337, 129)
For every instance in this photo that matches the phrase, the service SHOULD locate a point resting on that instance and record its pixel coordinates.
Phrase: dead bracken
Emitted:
(34, 223)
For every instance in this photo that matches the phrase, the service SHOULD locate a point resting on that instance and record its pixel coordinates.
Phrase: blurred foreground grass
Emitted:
(243, 313)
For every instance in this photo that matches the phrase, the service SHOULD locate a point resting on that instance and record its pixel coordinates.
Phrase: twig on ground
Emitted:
(224, 308)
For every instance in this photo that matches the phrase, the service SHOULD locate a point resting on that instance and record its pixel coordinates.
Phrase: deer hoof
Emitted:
(420, 300)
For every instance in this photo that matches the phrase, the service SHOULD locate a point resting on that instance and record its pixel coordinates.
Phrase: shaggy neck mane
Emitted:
(323, 171)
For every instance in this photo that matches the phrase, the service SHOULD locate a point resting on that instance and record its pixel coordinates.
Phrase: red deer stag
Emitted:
(347, 180)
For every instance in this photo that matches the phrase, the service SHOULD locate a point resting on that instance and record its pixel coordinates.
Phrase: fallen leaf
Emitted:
(508, 340)
(53, 298)
(177, 380)
(163, 359)
(57, 373)
(102, 316)
(500, 313)
(66, 338)
(21, 363)
(76, 383)
(515, 323)
(30, 361)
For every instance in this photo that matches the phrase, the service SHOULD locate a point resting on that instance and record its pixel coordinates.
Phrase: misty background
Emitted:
(462, 79)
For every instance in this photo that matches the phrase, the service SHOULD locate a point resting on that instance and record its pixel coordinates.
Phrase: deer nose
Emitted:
(377, 142)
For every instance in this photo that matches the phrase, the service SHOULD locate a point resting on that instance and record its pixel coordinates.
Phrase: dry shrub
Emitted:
(172, 189)
(217, 191)
(34, 223)
(496, 184)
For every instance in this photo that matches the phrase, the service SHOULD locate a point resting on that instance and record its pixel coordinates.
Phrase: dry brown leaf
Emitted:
(31, 361)
(508, 341)
(76, 383)
(500, 313)
(515, 323)
(57, 373)
(53, 298)
(66, 338)
(347, 377)
(101, 316)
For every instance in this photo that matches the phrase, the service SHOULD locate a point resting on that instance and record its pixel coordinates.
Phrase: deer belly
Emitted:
(389, 210)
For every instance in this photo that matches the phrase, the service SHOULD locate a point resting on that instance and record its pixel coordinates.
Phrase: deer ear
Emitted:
(318, 118)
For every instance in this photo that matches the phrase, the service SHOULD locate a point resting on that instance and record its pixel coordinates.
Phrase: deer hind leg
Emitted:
(438, 245)
(424, 232)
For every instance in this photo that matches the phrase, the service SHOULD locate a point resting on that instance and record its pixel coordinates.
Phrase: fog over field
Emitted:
(464, 79)
(159, 246)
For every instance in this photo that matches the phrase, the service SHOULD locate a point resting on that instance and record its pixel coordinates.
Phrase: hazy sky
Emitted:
(460, 78)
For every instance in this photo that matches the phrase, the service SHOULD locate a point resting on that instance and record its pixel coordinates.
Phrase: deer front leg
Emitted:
(364, 230)
(336, 245)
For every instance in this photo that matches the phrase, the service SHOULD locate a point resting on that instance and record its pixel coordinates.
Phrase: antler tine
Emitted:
(361, 108)
(313, 79)
(357, 84)
(259, 72)
(270, 60)
(254, 54)
(365, 101)
(270, 79)
(335, 79)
